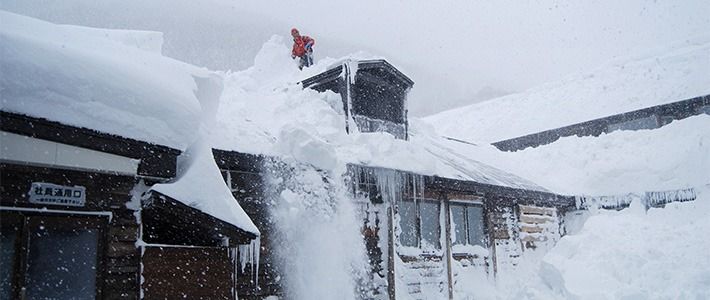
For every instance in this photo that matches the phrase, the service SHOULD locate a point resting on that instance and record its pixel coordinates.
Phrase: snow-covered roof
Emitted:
(201, 186)
(264, 111)
(117, 82)
(675, 156)
(679, 73)
(112, 81)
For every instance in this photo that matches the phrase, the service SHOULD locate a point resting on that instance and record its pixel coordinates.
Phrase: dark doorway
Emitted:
(50, 256)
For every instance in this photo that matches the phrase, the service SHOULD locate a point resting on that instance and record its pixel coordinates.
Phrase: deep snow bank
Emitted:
(633, 254)
(617, 87)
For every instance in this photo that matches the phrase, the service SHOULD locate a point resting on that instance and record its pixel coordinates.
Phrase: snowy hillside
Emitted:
(677, 74)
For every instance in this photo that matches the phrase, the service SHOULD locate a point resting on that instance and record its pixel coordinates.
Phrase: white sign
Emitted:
(47, 193)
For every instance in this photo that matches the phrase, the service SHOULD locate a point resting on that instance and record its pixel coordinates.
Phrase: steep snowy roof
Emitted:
(264, 111)
(201, 186)
(112, 81)
(680, 73)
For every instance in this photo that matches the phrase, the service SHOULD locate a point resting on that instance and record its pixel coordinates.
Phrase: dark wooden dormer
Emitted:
(374, 94)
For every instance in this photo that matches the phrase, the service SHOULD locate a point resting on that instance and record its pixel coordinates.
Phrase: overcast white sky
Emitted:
(457, 52)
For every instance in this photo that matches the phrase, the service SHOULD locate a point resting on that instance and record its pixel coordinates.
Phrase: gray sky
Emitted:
(457, 52)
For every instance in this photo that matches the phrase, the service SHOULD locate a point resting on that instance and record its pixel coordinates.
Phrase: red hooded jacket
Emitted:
(299, 45)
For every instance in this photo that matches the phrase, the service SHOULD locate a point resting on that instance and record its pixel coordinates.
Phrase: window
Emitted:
(50, 257)
(419, 224)
(429, 217)
(408, 224)
(467, 224)
(245, 184)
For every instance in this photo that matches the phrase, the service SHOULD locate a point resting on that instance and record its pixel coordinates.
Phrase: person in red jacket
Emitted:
(302, 48)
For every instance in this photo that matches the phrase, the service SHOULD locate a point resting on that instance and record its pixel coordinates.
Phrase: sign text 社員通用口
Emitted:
(48, 193)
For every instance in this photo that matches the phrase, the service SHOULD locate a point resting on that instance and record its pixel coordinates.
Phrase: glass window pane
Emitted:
(429, 213)
(476, 235)
(458, 224)
(7, 257)
(61, 263)
(408, 223)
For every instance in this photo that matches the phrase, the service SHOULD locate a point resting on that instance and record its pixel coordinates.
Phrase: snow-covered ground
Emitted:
(634, 254)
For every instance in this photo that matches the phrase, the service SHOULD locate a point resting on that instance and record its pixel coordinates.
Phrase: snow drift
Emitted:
(634, 254)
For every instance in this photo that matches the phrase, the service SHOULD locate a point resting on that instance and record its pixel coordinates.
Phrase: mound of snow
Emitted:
(108, 80)
(631, 254)
(615, 88)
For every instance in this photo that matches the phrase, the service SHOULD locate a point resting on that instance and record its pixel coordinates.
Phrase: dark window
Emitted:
(50, 257)
(467, 224)
(61, 263)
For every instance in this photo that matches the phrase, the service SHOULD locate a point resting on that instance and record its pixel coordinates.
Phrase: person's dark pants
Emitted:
(306, 60)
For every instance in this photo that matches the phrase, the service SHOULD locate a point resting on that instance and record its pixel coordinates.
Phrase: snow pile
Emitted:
(672, 157)
(680, 74)
(112, 81)
(631, 254)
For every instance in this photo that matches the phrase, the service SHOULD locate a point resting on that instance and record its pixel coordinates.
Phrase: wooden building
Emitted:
(79, 220)
(424, 232)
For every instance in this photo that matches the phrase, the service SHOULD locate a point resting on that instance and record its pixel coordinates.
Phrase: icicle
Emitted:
(249, 254)
(256, 251)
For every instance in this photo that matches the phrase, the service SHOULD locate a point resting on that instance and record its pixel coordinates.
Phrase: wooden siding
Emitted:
(539, 226)
(188, 273)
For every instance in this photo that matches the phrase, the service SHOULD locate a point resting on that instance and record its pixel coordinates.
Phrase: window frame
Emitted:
(418, 225)
(467, 226)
